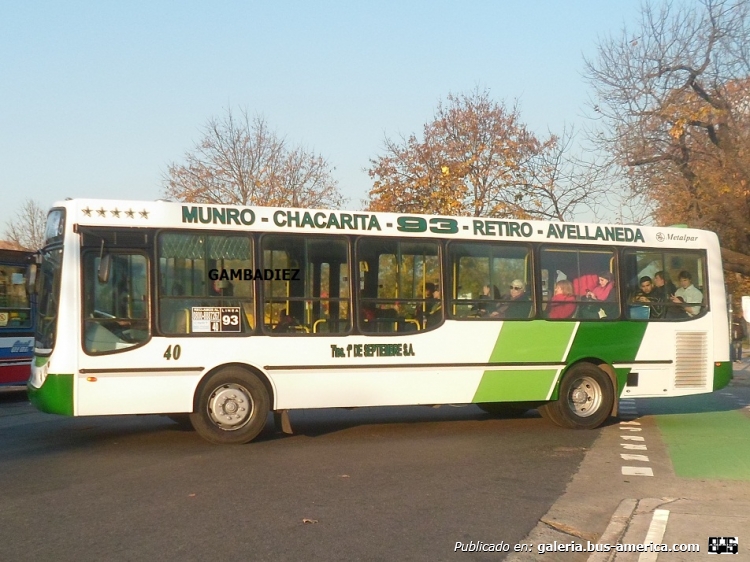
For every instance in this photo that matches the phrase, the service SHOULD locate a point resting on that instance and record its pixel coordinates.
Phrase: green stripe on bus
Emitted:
(524, 342)
(532, 342)
(55, 396)
(543, 341)
(613, 342)
(515, 385)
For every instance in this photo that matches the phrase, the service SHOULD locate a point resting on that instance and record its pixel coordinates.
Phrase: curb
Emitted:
(615, 529)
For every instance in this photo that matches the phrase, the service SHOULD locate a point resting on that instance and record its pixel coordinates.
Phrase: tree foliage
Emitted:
(477, 158)
(675, 107)
(240, 161)
(26, 230)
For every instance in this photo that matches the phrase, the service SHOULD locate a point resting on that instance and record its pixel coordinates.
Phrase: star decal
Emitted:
(130, 213)
(87, 211)
(116, 213)
(101, 212)
(144, 214)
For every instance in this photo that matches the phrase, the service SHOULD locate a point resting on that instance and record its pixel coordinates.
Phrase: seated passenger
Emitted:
(688, 293)
(423, 310)
(519, 305)
(603, 292)
(562, 304)
(435, 312)
(483, 308)
(645, 296)
(646, 293)
(663, 291)
(287, 323)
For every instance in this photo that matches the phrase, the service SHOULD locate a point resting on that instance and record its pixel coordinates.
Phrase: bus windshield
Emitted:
(49, 298)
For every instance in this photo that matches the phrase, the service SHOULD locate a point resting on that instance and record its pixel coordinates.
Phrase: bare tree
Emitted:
(240, 161)
(560, 185)
(674, 101)
(27, 229)
(477, 158)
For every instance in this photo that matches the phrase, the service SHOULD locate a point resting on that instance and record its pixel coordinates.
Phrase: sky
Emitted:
(98, 98)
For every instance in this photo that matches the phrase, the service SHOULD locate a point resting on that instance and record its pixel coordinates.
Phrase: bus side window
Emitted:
(594, 284)
(400, 285)
(203, 271)
(308, 292)
(667, 299)
(491, 281)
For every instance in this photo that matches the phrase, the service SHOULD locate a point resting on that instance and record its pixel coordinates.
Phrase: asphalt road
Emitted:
(372, 484)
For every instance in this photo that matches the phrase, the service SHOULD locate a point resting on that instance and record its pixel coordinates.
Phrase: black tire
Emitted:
(585, 399)
(502, 409)
(232, 407)
(549, 411)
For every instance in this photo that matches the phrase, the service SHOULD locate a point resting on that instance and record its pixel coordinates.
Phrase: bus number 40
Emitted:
(172, 353)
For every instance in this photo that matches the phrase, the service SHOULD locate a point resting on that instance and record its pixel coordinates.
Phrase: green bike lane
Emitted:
(707, 436)
(693, 481)
(705, 483)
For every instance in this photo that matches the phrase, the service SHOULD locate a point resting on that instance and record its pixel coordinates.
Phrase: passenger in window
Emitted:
(603, 291)
(642, 300)
(663, 286)
(663, 291)
(222, 288)
(688, 293)
(423, 311)
(484, 308)
(646, 292)
(287, 323)
(435, 312)
(519, 305)
(562, 304)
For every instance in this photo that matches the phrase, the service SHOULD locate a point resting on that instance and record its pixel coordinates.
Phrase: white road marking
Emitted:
(655, 534)
(630, 447)
(637, 471)
(631, 457)
(632, 437)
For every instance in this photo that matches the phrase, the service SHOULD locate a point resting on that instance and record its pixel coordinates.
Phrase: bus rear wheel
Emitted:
(585, 399)
(232, 407)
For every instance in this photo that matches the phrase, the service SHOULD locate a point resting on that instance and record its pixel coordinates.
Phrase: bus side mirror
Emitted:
(31, 278)
(105, 266)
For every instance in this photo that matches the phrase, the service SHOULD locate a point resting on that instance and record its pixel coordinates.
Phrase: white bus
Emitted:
(224, 313)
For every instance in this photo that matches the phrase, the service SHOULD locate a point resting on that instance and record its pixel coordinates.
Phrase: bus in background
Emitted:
(16, 316)
(221, 314)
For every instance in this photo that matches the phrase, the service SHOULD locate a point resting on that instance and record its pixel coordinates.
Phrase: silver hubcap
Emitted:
(585, 397)
(230, 406)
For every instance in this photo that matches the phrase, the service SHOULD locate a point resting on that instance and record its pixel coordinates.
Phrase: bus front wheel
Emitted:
(232, 407)
(585, 399)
